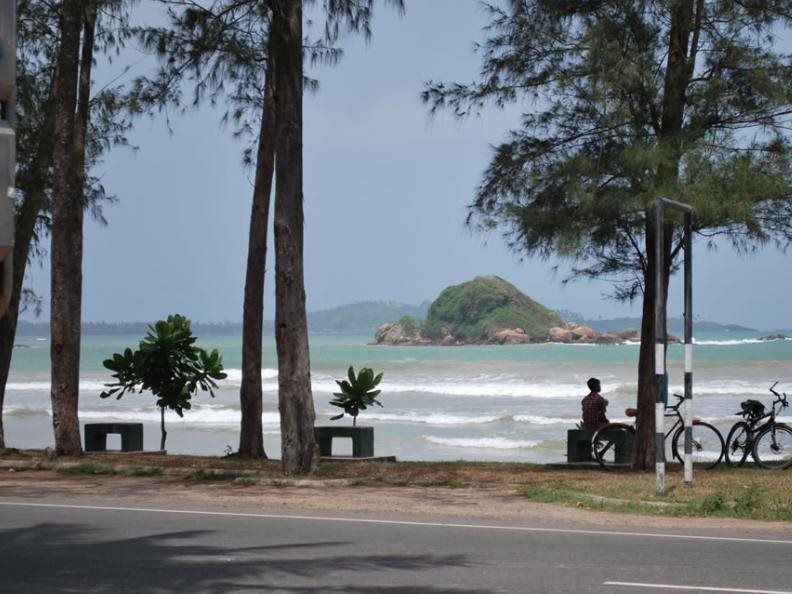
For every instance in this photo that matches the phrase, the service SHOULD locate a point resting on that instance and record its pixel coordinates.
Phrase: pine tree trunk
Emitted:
(23, 235)
(644, 449)
(677, 78)
(251, 441)
(27, 215)
(298, 445)
(66, 244)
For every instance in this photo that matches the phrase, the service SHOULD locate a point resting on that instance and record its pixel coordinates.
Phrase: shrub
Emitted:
(168, 365)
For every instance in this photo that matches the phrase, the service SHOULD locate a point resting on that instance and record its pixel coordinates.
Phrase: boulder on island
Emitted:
(509, 336)
(405, 331)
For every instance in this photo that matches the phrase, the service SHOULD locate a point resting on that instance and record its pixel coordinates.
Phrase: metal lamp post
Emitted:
(661, 340)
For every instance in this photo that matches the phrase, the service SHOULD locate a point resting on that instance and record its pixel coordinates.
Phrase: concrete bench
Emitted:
(362, 440)
(131, 436)
(579, 445)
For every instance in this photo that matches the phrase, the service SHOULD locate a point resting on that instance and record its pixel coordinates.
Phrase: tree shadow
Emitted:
(54, 557)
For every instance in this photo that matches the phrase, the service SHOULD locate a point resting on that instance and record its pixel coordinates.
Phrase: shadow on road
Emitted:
(54, 557)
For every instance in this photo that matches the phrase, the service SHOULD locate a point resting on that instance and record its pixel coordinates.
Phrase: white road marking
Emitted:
(396, 522)
(696, 588)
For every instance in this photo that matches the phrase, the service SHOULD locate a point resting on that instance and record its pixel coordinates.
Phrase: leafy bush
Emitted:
(713, 503)
(357, 393)
(748, 501)
(168, 365)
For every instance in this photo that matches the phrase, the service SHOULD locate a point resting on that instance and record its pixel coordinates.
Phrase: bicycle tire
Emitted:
(706, 439)
(605, 444)
(738, 444)
(772, 447)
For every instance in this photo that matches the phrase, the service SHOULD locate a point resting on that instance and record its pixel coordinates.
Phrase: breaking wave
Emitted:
(736, 342)
(492, 443)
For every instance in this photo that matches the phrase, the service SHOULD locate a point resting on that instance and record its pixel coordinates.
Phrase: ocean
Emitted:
(495, 403)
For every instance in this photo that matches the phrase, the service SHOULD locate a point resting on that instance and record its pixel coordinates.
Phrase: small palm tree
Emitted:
(356, 393)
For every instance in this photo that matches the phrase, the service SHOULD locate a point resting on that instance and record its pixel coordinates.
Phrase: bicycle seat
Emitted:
(631, 412)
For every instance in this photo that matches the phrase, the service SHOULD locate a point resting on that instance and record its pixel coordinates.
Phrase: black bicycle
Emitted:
(769, 443)
(610, 443)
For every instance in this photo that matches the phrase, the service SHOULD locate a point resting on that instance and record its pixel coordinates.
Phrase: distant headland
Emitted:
(526, 317)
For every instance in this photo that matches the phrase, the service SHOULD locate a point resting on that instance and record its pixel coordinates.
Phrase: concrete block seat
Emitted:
(131, 436)
(362, 440)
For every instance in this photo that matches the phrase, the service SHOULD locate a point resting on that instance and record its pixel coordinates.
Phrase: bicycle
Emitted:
(769, 444)
(609, 441)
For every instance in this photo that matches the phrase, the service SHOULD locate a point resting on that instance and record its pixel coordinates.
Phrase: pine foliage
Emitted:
(624, 101)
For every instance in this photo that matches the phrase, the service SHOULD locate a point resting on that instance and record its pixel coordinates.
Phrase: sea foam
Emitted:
(85, 386)
(495, 387)
(435, 418)
(204, 415)
(493, 443)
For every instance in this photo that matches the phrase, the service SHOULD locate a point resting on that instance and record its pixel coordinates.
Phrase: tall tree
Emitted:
(66, 240)
(299, 451)
(229, 48)
(251, 438)
(38, 35)
(623, 102)
(223, 48)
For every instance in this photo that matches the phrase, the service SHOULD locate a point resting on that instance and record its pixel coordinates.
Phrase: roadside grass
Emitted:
(724, 492)
(749, 493)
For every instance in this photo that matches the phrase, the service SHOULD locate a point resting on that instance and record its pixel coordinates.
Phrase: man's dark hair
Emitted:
(594, 384)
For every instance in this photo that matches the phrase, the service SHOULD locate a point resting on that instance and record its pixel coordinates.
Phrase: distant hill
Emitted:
(676, 325)
(364, 317)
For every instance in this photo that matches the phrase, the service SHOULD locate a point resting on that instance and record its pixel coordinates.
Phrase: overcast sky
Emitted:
(386, 189)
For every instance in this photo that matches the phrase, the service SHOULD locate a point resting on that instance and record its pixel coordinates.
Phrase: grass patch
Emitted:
(202, 474)
(748, 493)
(143, 471)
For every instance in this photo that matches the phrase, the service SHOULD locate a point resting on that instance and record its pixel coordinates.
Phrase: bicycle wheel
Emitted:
(611, 445)
(707, 445)
(738, 444)
(772, 448)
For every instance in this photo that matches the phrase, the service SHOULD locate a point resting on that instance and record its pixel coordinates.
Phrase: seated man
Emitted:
(594, 406)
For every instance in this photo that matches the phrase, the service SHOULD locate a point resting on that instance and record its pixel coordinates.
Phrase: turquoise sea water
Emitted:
(440, 403)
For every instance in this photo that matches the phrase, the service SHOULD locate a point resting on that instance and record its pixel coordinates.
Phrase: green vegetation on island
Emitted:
(483, 310)
(485, 305)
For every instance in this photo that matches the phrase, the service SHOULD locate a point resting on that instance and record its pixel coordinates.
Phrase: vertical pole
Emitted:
(660, 340)
(688, 350)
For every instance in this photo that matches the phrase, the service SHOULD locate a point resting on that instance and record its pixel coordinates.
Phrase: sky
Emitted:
(386, 191)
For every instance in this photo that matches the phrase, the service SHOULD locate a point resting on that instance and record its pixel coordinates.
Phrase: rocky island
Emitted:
(490, 310)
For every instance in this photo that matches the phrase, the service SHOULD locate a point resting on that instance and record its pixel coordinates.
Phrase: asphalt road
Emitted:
(51, 545)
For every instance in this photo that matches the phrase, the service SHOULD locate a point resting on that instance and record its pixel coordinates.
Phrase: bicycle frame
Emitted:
(673, 411)
(756, 426)
(779, 403)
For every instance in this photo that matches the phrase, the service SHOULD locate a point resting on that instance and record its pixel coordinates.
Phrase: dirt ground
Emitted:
(465, 505)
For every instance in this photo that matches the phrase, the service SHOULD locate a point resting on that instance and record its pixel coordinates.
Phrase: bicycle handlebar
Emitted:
(780, 398)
